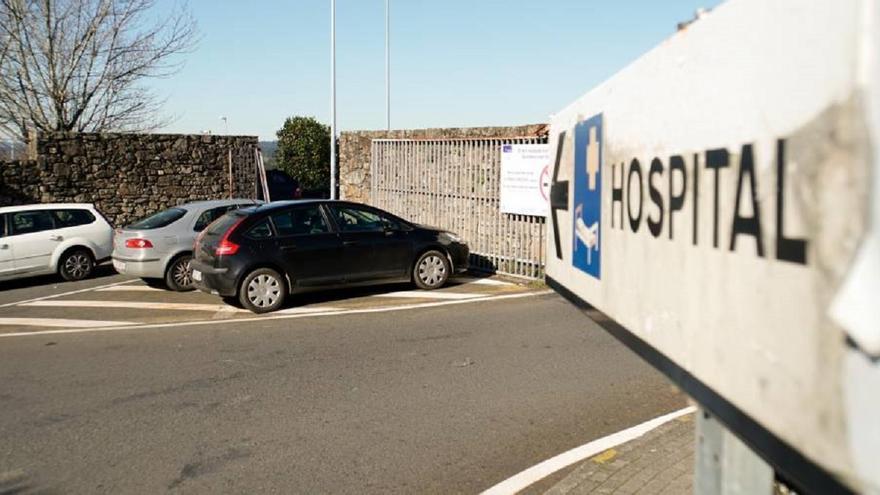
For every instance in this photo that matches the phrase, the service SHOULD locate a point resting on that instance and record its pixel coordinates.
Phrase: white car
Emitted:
(64, 238)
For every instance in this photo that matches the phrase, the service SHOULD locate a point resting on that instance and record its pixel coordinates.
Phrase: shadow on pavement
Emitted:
(101, 271)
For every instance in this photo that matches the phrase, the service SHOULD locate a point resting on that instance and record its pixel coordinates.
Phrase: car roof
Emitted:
(196, 205)
(45, 206)
(276, 205)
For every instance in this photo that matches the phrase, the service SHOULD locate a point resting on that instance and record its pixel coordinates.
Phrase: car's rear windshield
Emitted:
(222, 224)
(158, 220)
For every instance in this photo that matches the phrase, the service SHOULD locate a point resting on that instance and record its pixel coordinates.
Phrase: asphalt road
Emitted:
(448, 399)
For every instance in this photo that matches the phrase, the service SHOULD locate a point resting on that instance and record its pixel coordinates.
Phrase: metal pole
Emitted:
(332, 99)
(388, 65)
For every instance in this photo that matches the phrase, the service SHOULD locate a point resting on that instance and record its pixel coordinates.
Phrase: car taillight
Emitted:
(138, 243)
(226, 247)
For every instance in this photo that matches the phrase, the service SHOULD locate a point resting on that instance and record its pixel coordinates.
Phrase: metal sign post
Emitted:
(332, 99)
(387, 65)
(715, 207)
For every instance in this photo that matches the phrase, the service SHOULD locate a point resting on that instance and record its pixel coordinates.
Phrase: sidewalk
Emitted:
(660, 462)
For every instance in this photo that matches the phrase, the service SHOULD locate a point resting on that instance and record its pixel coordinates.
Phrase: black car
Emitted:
(259, 255)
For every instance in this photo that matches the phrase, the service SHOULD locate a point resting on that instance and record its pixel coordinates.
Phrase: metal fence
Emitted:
(454, 184)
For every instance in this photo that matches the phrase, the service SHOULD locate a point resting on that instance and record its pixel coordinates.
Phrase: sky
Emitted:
(454, 63)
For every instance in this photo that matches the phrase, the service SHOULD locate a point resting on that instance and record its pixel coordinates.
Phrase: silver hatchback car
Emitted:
(158, 248)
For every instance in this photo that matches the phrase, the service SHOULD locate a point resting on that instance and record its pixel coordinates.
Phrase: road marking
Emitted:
(540, 471)
(215, 323)
(481, 281)
(61, 322)
(82, 303)
(299, 311)
(132, 288)
(425, 294)
(79, 291)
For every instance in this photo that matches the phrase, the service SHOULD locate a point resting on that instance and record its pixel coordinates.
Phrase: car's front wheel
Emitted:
(263, 290)
(431, 270)
(76, 264)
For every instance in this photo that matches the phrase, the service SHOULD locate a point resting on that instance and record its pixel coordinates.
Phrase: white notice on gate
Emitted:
(525, 179)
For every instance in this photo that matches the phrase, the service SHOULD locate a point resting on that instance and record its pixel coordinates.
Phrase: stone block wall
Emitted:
(355, 155)
(128, 176)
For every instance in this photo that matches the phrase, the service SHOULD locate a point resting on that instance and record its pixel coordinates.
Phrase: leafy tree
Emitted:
(304, 151)
(82, 65)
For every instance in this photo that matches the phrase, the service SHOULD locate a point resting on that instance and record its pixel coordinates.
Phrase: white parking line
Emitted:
(425, 294)
(264, 318)
(78, 303)
(130, 288)
(540, 471)
(302, 311)
(52, 296)
(481, 281)
(61, 322)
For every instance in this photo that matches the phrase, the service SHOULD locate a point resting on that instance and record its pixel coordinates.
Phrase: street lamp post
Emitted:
(332, 99)
(225, 125)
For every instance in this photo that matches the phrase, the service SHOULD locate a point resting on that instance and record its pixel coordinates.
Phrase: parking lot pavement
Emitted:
(119, 302)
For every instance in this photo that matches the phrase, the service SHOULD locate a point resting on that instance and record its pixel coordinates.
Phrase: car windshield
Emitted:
(159, 220)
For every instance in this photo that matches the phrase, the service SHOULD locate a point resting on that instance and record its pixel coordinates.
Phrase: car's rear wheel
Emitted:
(431, 270)
(76, 264)
(263, 290)
(178, 276)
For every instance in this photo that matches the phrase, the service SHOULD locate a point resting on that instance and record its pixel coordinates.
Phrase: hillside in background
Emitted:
(268, 148)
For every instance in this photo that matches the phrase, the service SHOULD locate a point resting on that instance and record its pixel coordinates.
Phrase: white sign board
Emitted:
(525, 179)
(717, 200)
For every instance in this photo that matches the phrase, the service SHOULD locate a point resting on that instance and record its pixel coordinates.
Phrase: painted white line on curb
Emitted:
(61, 322)
(130, 288)
(83, 303)
(540, 471)
(280, 317)
(79, 291)
(426, 294)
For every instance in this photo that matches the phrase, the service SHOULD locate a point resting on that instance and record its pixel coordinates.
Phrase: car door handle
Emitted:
(349, 243)
(4, 246)
(56, 237)
(288, 247)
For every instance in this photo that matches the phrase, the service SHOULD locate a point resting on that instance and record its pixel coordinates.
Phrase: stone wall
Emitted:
(354, 150)
(130, 175)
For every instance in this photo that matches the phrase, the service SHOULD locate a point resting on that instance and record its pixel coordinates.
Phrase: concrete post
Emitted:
(726, 466)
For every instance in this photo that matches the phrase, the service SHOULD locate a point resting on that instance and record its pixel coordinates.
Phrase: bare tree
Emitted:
(81, 65)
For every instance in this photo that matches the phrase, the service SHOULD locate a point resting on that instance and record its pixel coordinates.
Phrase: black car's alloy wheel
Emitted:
(178, 276)
(431, 270)
(76, 265)
(262, 291)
